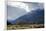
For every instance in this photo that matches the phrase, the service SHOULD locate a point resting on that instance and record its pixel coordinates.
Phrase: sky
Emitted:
(18, 9)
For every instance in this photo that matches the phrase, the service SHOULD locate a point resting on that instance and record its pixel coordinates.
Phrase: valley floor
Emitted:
(25, 26)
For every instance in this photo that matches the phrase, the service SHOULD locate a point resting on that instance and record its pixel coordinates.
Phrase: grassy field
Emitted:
(25, 26)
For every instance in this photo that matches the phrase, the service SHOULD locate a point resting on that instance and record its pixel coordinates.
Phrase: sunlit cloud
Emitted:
(19, 5)
(23, 8)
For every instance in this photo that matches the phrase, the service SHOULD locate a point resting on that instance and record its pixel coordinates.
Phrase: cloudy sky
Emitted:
(17, 9)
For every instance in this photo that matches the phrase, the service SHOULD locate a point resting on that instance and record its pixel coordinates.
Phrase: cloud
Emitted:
(17, 9)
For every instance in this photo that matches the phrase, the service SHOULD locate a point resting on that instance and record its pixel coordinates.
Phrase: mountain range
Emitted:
(36, 16)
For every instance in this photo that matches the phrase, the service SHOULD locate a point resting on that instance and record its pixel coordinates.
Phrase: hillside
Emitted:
(37, 16)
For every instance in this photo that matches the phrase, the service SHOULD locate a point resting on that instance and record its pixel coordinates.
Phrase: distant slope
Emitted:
(11, 22)
(37, 16)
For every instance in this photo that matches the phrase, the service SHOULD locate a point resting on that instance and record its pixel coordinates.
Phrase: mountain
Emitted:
(37, 16)
(13, 13)
(11, 22)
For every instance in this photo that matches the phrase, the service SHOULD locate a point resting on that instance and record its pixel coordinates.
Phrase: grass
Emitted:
(25, 26)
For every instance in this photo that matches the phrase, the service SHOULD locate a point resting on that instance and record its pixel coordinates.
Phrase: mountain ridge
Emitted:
(37, 16)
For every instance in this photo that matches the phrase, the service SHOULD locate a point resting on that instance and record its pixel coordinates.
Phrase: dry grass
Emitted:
(26, 26)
